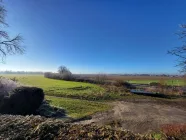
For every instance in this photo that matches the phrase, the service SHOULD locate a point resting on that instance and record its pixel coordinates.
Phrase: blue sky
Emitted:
(95, 36)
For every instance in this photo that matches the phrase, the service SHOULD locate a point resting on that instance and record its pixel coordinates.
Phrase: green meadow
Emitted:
(77, 98)
(77, 108)
(59, 88)
(62, 93)
(172, 82)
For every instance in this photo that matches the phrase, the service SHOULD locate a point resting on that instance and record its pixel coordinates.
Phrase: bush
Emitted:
(154, 84)
(51, 75)
(121, 83)
(101, 78)
(6, 86)
(122, 91)
(22, 101)
(64, 76)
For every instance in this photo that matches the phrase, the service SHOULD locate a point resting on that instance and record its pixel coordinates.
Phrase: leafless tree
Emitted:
(63, 70)
(8, 46)
(180, 52)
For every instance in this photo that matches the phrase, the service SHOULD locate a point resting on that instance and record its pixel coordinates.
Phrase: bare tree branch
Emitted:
(180, 52)
(8, 46)
(2, 14)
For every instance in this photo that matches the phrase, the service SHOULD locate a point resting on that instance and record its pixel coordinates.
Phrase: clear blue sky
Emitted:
(93, 36)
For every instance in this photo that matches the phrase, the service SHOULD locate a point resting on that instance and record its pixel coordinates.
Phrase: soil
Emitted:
(142, 115)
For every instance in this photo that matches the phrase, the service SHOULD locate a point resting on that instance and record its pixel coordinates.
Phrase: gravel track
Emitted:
(142, 115)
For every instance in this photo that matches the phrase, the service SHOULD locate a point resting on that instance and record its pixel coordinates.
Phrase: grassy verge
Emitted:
(168, 82)
(78, 108)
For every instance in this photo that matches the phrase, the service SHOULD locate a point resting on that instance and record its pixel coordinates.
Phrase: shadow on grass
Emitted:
(46, 110)
(73, 88)
(80, 88)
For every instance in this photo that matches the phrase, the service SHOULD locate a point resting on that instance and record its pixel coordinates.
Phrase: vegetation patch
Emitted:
(77, 108)
(60, 87)
(22, 101)
(70, 89)
(172, 82)
(36, 127)
(49, 111)
(177, 131)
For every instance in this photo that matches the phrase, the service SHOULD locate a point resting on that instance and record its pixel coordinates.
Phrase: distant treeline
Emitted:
(150, 75)
(68, 76)
(21, 72)
(92, 75)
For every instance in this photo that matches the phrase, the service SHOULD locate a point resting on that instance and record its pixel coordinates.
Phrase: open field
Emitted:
(177, 81)
(139, 114)
(28, 79)
(56, 89)
(77, 108)
(60, 88)
(172, 82)
(67, 89)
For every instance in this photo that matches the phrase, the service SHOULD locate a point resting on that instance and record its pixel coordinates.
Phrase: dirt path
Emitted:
(141, 116)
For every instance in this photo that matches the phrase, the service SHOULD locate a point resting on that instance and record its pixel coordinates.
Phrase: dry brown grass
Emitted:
(165, 90)
(174, 130)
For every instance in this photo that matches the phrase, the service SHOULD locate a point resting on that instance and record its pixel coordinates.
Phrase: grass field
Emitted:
(58, 89)
(67, 89)
(62, 93)
(77, 108)
(179, 82)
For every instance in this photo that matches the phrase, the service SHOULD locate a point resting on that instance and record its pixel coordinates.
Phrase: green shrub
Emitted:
(64, 76)
(22, 101)
(121, 83)
(155, 84)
